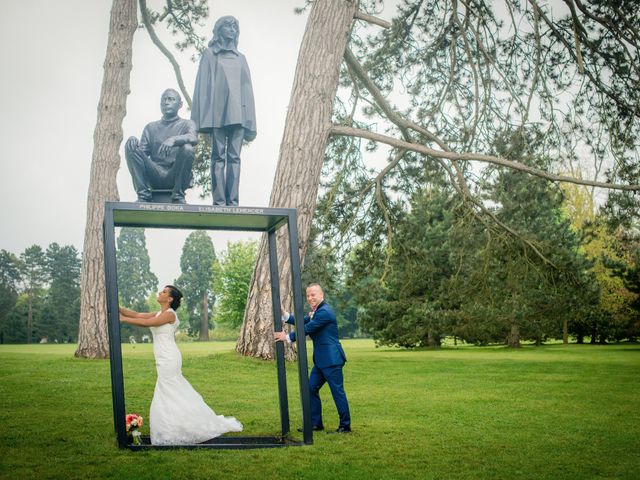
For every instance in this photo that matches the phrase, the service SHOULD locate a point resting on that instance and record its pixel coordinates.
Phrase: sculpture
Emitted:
(163, 158)
(223, 105)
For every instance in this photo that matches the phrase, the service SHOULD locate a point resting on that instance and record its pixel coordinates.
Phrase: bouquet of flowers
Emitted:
(134, 422)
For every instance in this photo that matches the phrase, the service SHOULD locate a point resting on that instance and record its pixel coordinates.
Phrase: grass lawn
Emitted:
(547, 412)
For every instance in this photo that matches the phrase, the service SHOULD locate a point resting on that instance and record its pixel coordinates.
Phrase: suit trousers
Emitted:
(225, 152)
(333, 376)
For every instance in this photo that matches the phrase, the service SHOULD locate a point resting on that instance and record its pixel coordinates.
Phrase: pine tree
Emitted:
(9, 287)
(135, 278)
(34, 277)
(196, 264)
(63, 297)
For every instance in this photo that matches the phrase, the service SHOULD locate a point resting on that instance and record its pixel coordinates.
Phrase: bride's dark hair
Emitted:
(176, 296)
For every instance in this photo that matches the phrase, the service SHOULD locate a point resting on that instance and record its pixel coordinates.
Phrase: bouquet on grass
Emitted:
(134, 422)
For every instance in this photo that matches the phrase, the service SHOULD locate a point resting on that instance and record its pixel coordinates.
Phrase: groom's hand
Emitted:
(279, 336)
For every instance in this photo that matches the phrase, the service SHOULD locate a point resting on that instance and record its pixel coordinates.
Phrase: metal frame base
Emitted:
(223, 443)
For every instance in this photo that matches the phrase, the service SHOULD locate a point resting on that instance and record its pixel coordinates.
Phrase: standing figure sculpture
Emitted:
(223, 106)
(163, 158)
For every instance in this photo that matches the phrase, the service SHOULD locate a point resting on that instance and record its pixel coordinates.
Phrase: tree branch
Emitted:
(457, 180)
(598, 84)
(354, 65)
(371, 19)
(156, 41)
(478, 157)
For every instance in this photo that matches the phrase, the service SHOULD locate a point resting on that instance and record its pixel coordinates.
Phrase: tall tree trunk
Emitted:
(513, 340)
(565, 332)
(204, 319)
(107, 137)
(301, 155)
(29, 318)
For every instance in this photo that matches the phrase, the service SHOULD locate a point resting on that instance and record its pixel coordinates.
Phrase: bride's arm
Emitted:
(149, 321)
(133, 314)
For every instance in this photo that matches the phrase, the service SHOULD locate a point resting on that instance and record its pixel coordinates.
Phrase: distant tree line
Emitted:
(215, 288)
(40, 289)
(40, 295)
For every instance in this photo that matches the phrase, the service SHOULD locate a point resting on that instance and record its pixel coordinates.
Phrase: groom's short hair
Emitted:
(315, 285)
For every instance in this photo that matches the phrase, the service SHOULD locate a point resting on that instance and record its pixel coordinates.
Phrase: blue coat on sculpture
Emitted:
(328, 358)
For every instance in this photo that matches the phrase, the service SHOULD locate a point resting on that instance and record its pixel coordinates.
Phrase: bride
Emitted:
(179, 415)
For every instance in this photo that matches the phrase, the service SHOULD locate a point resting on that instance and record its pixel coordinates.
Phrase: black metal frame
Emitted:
(119, 214)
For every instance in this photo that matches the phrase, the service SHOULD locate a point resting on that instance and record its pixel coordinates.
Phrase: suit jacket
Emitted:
(323, 330)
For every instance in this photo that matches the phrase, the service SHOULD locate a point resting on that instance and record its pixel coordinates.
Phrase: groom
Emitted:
(328, 357)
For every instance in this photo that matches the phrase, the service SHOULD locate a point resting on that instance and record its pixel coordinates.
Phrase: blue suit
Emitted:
(328, 359)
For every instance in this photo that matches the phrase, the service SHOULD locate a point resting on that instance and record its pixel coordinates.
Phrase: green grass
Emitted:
(556, 411)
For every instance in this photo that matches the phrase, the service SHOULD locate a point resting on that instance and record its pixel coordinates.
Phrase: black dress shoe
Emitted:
(342, 430)
(315, 428)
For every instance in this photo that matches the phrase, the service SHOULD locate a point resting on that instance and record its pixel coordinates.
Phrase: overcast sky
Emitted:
(52, 55)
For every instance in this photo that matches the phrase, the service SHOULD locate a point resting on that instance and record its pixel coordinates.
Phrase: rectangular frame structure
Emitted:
(161, 215)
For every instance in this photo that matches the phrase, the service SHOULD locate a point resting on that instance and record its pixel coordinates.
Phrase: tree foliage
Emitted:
(40, 294)
(447, 78)
(136, 281)
(135, 278)
(232, 275)
(63, 295)
(320, 266)
(34, 276)
(449, 275)
(196, 264)
(9, 287)
(460, 91)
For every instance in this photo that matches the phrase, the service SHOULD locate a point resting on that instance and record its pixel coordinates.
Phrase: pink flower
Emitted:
(133, 421)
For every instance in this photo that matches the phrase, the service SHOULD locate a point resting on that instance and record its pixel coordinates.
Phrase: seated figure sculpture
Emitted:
(163, 158)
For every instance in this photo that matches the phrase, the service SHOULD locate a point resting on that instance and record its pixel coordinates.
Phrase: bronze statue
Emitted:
(223, 106)
(163, 157)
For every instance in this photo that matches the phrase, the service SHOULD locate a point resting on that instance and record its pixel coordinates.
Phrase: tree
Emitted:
(63, 296)
(467, 77)
(179, 18)
(232, 275)
(320, 267)
(612, 256)
(196, 264)
(405, 296)
(451, 274)
(15, 322)
(9, 286)
(92, 334)
(135, 278)
(136, 281)
(34, 276)
(301, 153)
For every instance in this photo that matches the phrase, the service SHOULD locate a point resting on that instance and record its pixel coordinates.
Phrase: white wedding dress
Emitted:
(179, 415)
